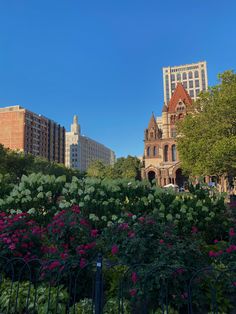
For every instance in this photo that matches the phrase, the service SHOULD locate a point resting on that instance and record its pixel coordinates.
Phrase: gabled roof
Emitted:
(152, 122)
(179, 93)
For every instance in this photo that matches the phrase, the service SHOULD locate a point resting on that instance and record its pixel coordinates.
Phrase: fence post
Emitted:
(98, 285)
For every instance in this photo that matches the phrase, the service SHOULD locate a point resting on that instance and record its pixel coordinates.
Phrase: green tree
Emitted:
(129, 168)
(207, 135)
(96, 169)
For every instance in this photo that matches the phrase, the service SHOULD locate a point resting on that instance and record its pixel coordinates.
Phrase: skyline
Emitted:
(103, 61)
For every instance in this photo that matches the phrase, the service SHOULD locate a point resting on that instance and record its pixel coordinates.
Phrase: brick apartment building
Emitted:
(21, 129)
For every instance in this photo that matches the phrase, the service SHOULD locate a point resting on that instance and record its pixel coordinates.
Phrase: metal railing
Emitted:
(102, 286)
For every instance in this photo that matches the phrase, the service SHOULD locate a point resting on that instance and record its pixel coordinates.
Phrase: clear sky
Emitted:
(103, 59)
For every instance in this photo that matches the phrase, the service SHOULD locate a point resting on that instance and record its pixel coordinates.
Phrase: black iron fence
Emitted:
(102, 286)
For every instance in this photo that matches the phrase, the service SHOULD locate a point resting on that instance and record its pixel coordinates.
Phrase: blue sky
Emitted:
(103, 59)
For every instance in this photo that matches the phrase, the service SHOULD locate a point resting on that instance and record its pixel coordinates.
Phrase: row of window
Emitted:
(153, 152)
(179, 77)
(192, 67)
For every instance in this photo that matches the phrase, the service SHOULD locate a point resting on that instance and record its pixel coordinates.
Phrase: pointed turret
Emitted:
(152, 122)
(75, 127)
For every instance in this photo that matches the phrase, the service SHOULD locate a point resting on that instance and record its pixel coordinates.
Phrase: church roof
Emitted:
(179, 93)
(164, 108)
(152, 122)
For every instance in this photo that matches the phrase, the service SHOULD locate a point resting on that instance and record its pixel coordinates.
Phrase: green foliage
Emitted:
(16, 297)
(127, 168)
(207, 141)
(16, 164)
(101, 200)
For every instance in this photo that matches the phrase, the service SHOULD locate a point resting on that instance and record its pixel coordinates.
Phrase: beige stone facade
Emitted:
(193, 77)
(82, 150)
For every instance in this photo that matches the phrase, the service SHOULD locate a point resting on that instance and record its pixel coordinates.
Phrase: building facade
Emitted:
(82, 150)
(192, 76)
(21, 129)
(161, 160)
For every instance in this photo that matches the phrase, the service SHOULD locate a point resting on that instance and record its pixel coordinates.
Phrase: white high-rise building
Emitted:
(81, 150)
(192, 76)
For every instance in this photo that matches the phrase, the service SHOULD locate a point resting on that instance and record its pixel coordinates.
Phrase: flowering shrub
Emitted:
(70, 236)
(20, 236)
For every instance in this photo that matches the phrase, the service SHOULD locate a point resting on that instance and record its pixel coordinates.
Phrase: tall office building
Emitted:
(21, 129)
(82, 150)
(192, 76)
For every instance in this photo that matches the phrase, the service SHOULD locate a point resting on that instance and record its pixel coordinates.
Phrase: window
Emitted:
(190, 75)
(197, 92)
(197, 83)
(173, 133)
(166, 153)
(191, 93)
(185, 84)
(148, 151)
(172, 86)
(190, 84)
(154, 151)
(184, 76)
(178, 77)
(196, 74)
(173, 151)
(172, 77)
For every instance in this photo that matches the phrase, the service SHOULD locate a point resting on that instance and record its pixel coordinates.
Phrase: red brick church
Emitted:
(161, 161)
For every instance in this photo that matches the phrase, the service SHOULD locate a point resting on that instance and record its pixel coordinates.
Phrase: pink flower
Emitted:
(141, 219)
(130, 215)
(94, 233)
(75, 209)
(134, 277)
(63, 255)
(84, 222)
(161, 241)
(234, 283)
(212, 254)
(54, 265)
(81, 252)
(131, 234)
(12, 246)
(133, 292)
(216, 241)
(194, 229)
(231, 232)
(82, 263)
(123, 226)
(114, 250)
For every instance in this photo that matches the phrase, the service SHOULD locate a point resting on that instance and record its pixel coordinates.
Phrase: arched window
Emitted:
(178, 77)
(173, 149)
(190, 75)
(196, 74)
(154, 151)
(184, 76)
(148, 151)
(166, 153)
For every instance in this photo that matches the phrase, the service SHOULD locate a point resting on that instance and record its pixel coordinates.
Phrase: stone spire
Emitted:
(75, 127)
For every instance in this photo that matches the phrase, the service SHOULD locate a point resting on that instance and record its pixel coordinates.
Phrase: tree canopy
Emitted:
(207, 136)
(14, 164)
(129, 167)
